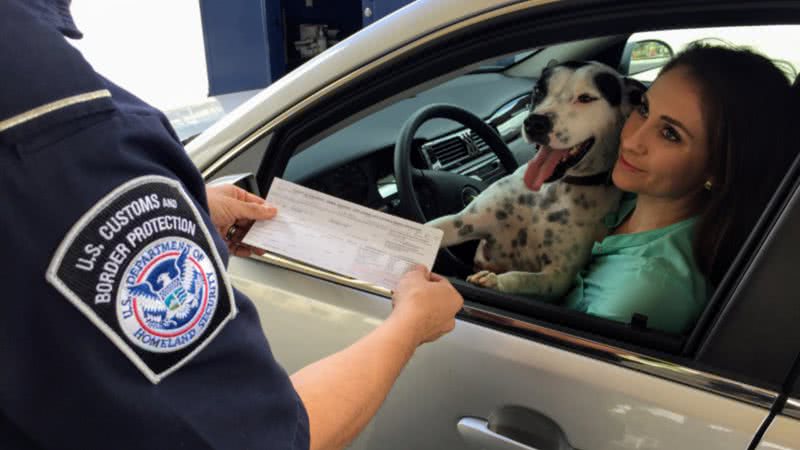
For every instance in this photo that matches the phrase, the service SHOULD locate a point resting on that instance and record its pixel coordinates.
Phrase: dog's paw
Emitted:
(484, 278)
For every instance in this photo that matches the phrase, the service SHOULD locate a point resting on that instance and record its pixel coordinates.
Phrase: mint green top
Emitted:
(651, 273)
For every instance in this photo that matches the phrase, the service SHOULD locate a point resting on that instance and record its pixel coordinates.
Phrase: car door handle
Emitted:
(476, 433)
(513, 427)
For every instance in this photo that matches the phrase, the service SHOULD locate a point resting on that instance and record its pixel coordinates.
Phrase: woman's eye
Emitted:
(670, 134)
(642, 109)
(586, 98)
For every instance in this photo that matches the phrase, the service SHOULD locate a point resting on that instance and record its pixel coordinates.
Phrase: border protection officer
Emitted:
(119, 327)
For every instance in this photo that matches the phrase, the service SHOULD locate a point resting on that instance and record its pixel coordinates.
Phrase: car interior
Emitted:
(349, 151)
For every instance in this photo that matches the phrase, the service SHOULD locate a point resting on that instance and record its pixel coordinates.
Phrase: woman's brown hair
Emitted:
(750, 114)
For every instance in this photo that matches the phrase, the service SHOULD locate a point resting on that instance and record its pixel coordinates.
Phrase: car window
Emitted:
(352, 156)
(647, 57)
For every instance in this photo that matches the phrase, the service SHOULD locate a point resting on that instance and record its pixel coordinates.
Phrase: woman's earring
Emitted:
(707, 185)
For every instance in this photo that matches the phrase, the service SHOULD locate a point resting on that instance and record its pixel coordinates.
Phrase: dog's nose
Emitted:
(538, 124)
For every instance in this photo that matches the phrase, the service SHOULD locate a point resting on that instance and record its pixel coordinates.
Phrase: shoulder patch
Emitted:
(142, 267)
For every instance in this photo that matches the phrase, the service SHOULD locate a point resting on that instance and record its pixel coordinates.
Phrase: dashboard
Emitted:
(356, 162)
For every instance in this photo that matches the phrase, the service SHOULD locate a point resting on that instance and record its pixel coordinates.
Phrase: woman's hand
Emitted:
(233, 211)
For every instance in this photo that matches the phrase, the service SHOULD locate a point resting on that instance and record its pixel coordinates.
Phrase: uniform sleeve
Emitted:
(656, 290)
(118, 325)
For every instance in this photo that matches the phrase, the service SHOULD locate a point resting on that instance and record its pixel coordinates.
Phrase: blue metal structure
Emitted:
(248, 42)
(243, 41)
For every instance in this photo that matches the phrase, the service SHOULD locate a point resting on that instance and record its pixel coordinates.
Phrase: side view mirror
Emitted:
(246, 181)
(642, 56)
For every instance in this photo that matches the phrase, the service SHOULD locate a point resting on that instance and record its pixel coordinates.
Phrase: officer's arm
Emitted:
(342, 392)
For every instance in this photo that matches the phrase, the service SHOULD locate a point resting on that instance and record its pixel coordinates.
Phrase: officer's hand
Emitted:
(428, 304)
(230, 205)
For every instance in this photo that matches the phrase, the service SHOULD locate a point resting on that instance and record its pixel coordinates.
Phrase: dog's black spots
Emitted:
(519, 218)
(501, 215)
(522, 237)
(535, 219)
(507, 225)
(545, 260)
(508, 206)
(548, 237)
(465, 230)
(582, 201)
(561, 216)
(549, 198)
(539, 91)
(567, 189)
(513, 243)
(504, 255)
(526, 199)
(609, 87)
(458, 223)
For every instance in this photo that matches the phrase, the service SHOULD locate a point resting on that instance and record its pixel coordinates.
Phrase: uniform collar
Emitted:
(55, 13)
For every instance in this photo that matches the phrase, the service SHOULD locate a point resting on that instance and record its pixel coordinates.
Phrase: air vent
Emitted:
(447, 152)
(478, 141)
(490, 172)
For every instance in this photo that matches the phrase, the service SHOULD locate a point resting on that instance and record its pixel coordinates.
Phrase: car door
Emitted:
(502, 379)
(783, 433)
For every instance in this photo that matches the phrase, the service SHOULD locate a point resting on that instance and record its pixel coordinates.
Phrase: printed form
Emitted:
(343, 237)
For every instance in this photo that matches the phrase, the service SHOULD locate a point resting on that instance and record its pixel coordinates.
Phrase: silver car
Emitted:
(514, 374)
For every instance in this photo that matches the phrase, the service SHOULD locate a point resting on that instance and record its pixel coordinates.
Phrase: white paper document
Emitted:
(343, 237)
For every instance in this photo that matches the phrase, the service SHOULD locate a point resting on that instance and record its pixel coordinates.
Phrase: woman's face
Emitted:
(663, 147)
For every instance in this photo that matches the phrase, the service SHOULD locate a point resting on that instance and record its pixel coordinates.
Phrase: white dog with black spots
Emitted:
(537, 225)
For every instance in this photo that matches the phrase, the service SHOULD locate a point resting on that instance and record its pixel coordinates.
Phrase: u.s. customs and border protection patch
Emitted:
(142, 266)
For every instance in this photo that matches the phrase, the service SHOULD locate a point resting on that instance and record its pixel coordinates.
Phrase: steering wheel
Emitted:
(448, 192)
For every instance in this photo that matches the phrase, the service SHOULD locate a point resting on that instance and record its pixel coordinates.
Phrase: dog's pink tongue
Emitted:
(542, 166)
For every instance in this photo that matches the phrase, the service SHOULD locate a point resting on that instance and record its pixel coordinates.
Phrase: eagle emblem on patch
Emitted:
(169, 294)
(142, 266)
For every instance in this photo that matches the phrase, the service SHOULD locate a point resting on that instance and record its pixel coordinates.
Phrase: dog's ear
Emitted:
(633, 90)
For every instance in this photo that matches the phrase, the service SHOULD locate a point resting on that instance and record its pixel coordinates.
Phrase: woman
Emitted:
(703, 153)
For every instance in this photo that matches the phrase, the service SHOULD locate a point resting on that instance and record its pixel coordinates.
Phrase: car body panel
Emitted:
(783, 434)
(473, 371)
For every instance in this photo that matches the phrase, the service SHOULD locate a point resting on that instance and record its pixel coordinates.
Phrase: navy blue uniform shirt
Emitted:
(118, 326)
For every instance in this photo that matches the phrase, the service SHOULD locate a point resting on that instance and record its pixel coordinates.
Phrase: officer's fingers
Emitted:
(251, 198)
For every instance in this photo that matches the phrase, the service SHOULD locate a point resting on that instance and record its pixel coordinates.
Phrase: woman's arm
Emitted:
(342, 392)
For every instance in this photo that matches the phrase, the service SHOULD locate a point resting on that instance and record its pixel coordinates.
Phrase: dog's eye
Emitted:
(586, 98)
